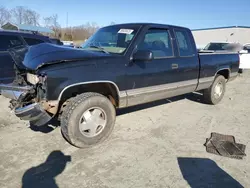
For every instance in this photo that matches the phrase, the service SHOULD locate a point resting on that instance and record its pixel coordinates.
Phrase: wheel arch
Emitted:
(106, 88)
(224, 72)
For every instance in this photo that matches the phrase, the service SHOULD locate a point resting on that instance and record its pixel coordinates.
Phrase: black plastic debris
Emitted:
(225, 145)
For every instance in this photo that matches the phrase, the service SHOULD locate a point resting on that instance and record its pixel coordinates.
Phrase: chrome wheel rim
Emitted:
(218, 90)
(92, 122)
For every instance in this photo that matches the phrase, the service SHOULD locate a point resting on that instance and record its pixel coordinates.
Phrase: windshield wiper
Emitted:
(100, 48)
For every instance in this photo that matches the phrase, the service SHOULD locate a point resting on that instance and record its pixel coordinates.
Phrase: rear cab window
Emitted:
(9, 41)
(159, 42)
(32, 41)
(185, 46)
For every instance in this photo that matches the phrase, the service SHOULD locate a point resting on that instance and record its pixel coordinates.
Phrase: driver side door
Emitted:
(152, 76)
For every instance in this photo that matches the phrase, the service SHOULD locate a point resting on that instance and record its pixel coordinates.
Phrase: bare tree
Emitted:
(52, 23)
(4, 16)
(31, 17)
(18, 14)
(23, 15)
(83, 32)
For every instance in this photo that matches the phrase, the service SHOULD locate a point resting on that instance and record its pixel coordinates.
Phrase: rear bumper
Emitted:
(32, 112)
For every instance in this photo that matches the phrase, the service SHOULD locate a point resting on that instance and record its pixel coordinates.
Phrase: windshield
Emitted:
(216, 46)
(113, 39)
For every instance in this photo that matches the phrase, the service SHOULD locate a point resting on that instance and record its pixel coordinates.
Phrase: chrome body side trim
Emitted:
(153, 93)
(205, 83)
(123, 99)
(161, 87)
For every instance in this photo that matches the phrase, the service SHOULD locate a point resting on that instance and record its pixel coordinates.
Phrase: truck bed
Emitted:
(210, 61)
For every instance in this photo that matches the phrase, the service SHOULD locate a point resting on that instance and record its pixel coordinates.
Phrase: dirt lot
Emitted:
(154, 145)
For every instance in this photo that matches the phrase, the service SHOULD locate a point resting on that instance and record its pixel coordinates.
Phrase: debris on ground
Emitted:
(225, 145)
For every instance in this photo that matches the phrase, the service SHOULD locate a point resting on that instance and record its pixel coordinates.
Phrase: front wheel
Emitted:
(87, 119)
(215, 93)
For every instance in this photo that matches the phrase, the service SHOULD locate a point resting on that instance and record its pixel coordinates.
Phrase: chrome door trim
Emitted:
(158, 92)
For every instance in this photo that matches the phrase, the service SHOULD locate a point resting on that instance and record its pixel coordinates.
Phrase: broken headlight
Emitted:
(32, 78)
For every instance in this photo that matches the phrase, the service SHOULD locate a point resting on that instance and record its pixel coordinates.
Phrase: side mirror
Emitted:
(143, 55)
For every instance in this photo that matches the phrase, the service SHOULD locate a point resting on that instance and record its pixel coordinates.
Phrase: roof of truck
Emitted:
(149, 24)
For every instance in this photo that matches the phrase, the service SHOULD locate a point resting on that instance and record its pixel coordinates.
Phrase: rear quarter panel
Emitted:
(211, 63)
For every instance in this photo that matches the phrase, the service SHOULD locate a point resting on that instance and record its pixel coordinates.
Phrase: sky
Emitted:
(194, 14)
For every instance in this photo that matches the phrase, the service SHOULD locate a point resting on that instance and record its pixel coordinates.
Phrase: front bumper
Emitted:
(32, 112)
(11, 91)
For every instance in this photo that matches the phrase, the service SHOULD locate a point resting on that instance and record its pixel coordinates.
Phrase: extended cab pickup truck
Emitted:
(119, 66)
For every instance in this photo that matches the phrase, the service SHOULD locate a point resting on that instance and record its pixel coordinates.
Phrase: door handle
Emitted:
(175, 66)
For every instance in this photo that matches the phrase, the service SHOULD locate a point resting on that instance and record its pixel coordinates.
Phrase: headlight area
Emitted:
(40, 83)
(32, 78)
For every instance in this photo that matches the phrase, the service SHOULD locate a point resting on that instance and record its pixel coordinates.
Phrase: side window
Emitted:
(184, 44)
(9, 42)
(32, 41)
(158, 41)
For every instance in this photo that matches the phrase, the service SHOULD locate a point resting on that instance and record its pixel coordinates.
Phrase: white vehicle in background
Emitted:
(244, 51)
(68, 43)
(245, 58)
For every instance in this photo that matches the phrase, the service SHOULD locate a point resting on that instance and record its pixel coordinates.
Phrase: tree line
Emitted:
(24, 15)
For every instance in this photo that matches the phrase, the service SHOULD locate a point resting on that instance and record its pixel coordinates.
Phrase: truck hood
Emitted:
(34, 57)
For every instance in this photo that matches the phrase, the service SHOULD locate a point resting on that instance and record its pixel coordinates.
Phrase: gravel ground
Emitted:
(155, 145)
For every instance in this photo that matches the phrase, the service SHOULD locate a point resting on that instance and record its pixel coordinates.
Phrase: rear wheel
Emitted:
(215, 93)
(87, 119)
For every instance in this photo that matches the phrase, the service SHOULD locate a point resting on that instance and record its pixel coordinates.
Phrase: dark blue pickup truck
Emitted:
(119, 66)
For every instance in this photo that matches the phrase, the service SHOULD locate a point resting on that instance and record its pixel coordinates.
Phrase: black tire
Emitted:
(240, 71)
(72, 115)
(209, 94)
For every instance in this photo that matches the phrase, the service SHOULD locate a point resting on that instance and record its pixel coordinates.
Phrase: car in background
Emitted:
(243, 50)
(12, 39)
(68, 44)
(56, 41)
(215, 46)
(244, 58)
(247, 48)
(222, 46)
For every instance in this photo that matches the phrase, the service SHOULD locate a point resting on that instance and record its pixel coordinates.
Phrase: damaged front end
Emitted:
(27, 103)
(28, 94)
